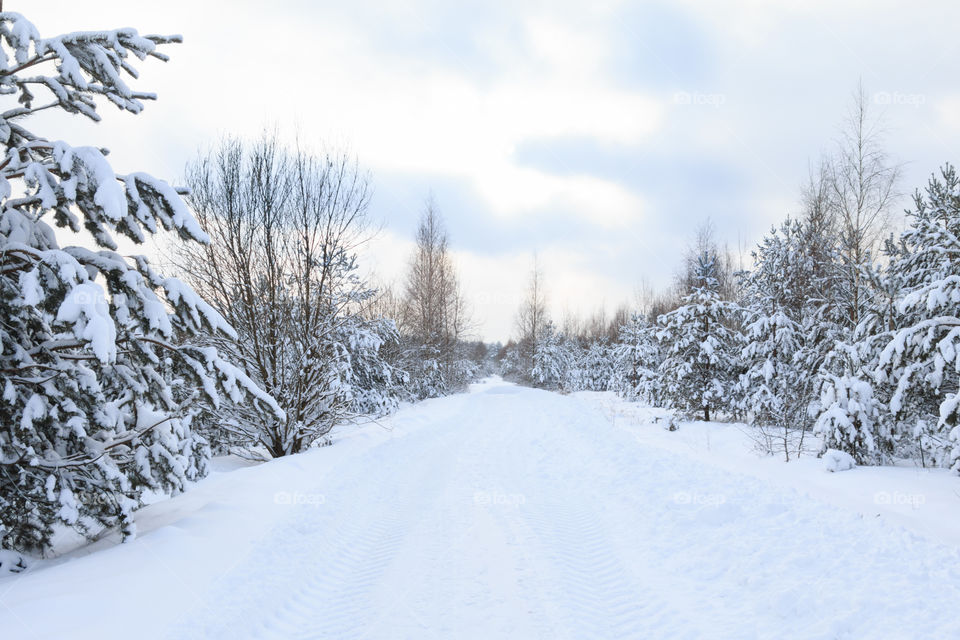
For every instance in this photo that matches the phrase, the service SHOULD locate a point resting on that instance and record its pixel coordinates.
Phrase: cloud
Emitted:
(948, 110)
(550, 126)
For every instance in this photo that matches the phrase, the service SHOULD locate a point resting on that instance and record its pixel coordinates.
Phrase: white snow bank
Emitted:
(12, 562)
(836, 460)
(924, 500)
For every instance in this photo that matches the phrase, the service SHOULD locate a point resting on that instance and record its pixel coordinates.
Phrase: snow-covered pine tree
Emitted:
(552, 359)
(637, 358)
(849, 417)
(773, 398)
(596, 366)
(510, 362)
(854, 412)
(422, 364)
(824, 316)
(100, 380)
(922, 359)
(700, 366)
(376, 385)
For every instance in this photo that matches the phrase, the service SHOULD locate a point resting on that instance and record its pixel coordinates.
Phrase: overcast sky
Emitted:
(598, 134)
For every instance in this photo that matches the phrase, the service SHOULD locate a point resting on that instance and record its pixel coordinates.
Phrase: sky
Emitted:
(598, 135)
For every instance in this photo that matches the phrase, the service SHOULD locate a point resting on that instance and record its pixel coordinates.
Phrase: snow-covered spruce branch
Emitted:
(99, 374)
(79, 461)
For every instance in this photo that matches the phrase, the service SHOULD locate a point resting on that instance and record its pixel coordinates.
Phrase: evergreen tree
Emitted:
(774, 397)
(100, 377)
(824, 314)
(596, 367)
(375, 384)
(849, 417)
(922, 358)
(511, 362)
(699, 370)
(637, 356)
(552, 359)
(854, 417)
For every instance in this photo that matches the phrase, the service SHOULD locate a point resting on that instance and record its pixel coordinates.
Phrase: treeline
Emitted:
(839, 328)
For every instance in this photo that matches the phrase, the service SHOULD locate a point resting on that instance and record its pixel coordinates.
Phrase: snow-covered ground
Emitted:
(925, 501)
(516, 513)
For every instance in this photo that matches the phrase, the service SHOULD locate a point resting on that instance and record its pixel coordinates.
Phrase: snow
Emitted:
(513, 512)
(32, 293)
(834, 460)
(11, 562)
(181, 216)
(89, 170)
(86, 308)
(201, 313)
(906, 497)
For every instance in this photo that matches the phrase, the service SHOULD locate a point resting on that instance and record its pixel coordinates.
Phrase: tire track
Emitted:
(596, 592)
(317, 575)
(581, 586)
(336, 601)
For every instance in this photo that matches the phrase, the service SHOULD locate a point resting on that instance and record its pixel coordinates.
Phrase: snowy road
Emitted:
(504, 513)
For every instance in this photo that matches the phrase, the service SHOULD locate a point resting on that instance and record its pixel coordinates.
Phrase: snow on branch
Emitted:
(101, 377)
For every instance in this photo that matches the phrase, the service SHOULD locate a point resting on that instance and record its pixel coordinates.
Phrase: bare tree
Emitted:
(433, 307)
(620, 318)
(385, 304)
(532, 315)
(572, 324)
(280, 268)
(705, 243)
(863, 191)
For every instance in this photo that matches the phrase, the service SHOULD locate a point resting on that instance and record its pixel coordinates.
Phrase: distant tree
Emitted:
(532, 315)
(553, 360)
(510, 365)
(596, 369)
(621, 317)
(479, 352)
(637, 357)
(700, 363)
(434, 311)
